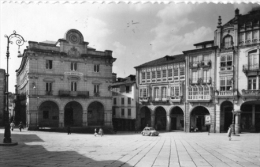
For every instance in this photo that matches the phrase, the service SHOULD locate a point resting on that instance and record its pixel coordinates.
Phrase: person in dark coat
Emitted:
(20, 126)
(69, 132)
(229, 132)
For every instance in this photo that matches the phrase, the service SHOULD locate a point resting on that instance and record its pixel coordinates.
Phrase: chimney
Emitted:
(236, 12)
(219, 22)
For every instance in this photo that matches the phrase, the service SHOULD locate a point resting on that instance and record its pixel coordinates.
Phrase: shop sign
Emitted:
(207, 120)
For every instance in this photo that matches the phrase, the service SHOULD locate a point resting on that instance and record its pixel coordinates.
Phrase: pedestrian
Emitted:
(229, 132)
(69, 132)
(95, 132)
(100, 132)
(209, 130)
(20, 126)
(12, 125)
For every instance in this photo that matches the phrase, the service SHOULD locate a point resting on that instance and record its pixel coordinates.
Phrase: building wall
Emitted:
(2, 96)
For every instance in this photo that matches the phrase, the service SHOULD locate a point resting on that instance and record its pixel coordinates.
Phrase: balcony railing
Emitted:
(250, 92)
(226, 93)
(199, 97)
(144, 99)
(194, 64)
(175, 98)
(251, 67)
(206, 63)
(67, 93)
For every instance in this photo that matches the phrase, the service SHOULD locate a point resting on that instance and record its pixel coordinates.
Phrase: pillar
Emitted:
(152, 121)
(85, 118)
(32, 120)
(253, 117)
(61, 118)
(237, 122)
(168, 123)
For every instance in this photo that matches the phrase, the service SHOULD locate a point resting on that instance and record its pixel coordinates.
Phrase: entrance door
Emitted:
(228, 117)
(68, 116)
(199, 123)
(174, 122)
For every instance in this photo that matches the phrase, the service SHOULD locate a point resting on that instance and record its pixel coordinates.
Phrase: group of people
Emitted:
(20, 126)
(100, 132)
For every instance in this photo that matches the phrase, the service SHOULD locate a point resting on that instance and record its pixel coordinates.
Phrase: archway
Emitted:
(96, 114)
(73, 114)
(177, 119)
(48, 114)
(160, 118)
(145, 116)
(250, 116)
(226, 115)
(197, 118)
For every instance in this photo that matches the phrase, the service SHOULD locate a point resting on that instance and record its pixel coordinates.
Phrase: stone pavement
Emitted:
(171, 149)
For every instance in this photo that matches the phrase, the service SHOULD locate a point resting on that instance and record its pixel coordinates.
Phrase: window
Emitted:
(241, 37)
(129, 100)
(73, 66)
(123, 112)
(96, 67)
(169, 73)
(148, 75)
(255, 34)
(228, 42)
(226, 61)
(45, 114)
(143, 76)
(206, 76)
(194, 77)
(248, 36)
(175, 91)
(164, 73)
(182, 73)
(153, 75)
(226, 83)
(122, 101)
(114, 111)
(253, 61)
(129, 112)
(176, 73)
(73, 86)
(158, 74)
(127, 89)
(164, 92)
(48, 86)
(144, 93)
(156, 92)
(252, 83)
(114, 101)
(48, 64)
(96, 88)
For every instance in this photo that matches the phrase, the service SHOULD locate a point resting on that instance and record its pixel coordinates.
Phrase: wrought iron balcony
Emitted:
(206, 63)
(250, 94)
(199, 98)
(67, 93)
(251, 67)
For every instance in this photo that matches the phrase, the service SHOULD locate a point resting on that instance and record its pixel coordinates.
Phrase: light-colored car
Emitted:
(149, 131)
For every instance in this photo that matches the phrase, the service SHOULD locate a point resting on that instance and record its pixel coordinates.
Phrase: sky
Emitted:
(136, 33)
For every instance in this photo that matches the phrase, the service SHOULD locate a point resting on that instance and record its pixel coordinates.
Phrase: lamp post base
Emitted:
(9, 144)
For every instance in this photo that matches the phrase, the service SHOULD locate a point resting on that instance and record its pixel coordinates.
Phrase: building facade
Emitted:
(65, 83)
(2, 96)
(125, 104)
(161, 93)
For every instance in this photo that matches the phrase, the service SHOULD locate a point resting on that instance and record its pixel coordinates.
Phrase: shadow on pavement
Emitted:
(32, 154)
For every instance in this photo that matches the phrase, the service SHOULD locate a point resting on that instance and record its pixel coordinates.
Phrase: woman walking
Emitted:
(229, 132)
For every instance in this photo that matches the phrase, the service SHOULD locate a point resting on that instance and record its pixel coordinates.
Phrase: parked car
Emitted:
(149, 131)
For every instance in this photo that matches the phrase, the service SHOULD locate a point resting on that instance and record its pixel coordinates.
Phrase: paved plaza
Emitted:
(128, 149)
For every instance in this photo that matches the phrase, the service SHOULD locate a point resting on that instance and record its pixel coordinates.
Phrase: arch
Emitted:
(48, 114)
(227, 41)
(250, 116)
(96, 114)
(73, 114)
(226, 115)
(197, 118)
(145, 116)
(160, 118)
(177, 118)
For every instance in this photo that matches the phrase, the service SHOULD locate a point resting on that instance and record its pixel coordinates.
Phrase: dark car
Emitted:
(149, 131)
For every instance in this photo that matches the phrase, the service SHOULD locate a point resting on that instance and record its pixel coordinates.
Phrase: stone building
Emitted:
(161, 93)
(200, 81)
(2, 96)
(125, 98)
(238, 72)
(65, 83)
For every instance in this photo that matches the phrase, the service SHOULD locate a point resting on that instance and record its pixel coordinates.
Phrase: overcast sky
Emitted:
(158, 29)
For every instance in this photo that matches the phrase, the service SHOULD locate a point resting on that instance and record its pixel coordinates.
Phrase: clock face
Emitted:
(74, 38)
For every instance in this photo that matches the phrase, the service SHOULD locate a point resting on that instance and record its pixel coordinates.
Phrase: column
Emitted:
(253, 117)
(85, 118)
(237, 123)
(152, 121)
(61, 118)
(168, 123)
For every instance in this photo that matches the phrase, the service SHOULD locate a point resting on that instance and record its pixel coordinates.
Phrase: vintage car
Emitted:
(149, 131)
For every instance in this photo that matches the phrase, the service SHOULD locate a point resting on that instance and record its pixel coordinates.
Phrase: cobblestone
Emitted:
(178, 149)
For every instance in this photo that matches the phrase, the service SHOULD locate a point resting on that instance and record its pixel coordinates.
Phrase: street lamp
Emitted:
(19, 41)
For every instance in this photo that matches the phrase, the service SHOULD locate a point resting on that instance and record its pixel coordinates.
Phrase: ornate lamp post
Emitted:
(19, 41)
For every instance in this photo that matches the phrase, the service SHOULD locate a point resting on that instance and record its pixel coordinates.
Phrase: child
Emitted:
(229, 132)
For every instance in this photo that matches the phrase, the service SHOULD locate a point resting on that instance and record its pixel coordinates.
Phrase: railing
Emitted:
(67, 93)
(251, 67)
(226, 68)
(206, 63)
(251, 92)
(144, 99)
(194, 64)
(199, 97)
(226, 93)
(207, 80)
(175, 98)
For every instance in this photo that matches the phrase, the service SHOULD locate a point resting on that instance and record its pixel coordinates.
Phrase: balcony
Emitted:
(144, 99)
(175, 98)
(160, 99)
(252, 94)
(199, 98)
(196, 80)
(206, 64)
(67, 93)
(194, 64)
(227, 94)
(250, 67)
